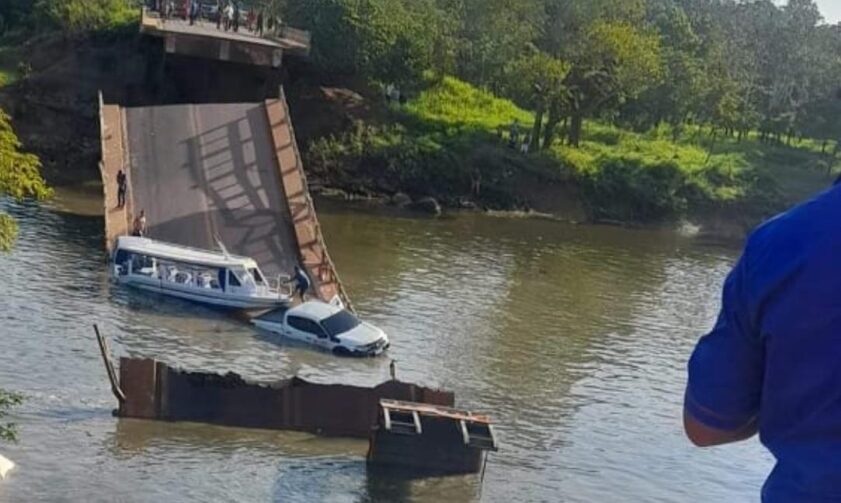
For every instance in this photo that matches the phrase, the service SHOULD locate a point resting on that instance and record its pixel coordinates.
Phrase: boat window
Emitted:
(122, 257)
(340, 323)
(306, 325)
(143, 265)
(258, 278)
(233, 279)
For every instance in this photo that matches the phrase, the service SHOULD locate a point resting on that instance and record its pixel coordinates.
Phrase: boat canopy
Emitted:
(179, 253)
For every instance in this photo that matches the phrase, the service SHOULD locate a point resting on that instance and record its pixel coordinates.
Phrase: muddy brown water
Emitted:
(573, 338)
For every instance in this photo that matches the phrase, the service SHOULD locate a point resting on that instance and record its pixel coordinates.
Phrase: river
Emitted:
(573, 338)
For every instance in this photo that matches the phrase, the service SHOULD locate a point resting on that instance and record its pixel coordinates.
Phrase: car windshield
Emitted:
(340, 323)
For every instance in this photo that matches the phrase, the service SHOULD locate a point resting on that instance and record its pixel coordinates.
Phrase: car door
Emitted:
(321, 337)
(300, 329)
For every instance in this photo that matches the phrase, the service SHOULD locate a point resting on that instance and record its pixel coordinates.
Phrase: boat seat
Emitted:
(183, 278)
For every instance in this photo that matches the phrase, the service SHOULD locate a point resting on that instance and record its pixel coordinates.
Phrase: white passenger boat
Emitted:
(215, 278)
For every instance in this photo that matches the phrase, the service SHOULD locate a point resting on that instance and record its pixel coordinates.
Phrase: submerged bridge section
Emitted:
(206, 171)
(218, 171)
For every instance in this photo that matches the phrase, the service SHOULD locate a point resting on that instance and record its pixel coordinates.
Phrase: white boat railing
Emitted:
(284, 285)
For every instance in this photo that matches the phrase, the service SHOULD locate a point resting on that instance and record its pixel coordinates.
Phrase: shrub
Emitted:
(80, 16)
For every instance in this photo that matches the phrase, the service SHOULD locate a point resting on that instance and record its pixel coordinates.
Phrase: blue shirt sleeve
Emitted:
(726, 369)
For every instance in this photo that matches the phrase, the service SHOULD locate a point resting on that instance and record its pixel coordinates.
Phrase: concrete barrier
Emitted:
(155, 391)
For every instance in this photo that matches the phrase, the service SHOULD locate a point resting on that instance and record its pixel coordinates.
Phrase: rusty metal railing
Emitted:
(333, 276)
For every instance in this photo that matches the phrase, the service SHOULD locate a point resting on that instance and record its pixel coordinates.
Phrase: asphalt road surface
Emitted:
(202, 171)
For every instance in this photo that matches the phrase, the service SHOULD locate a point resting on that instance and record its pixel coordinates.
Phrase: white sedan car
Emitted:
(325, 325)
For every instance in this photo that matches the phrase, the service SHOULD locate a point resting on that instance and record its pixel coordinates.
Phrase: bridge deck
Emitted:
(226, 170)
(291, 41)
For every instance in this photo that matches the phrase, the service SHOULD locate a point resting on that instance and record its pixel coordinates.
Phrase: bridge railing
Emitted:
(332, 275)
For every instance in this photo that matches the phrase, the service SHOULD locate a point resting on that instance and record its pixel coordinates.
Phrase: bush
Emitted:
(384, 40)
(8, 400)
(81, 16)
(447, 135)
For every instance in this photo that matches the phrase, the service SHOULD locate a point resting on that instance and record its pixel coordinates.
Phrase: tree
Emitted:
(20, 178)
(80, 16)
(385, 40)
(538, 81)
(493, 33)
(615, 62)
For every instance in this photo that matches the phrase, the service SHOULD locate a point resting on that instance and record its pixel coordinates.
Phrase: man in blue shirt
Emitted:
(772, 363)
(302, 282)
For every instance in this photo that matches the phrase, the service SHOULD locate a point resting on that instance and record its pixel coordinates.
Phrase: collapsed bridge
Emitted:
(204, 172)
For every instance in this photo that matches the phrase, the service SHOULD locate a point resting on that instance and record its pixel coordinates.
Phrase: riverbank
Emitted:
(443, 143)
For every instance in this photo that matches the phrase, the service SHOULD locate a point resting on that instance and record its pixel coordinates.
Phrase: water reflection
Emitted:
(573, 338)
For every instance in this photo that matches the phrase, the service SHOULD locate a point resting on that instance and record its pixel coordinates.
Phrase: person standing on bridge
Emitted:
(249, 21)
(194, 11)
(770, 363)
(140, 225)
(302, 282)
(229, 16)
(122, 185)
(237, 15)
(259, 28)
(220, 11)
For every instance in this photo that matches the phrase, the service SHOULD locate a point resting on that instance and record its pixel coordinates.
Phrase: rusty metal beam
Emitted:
(109, 366)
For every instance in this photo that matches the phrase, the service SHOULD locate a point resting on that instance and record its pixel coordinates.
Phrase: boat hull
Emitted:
(208, 297)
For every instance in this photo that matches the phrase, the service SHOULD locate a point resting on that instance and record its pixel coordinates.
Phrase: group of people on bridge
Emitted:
(229, 15)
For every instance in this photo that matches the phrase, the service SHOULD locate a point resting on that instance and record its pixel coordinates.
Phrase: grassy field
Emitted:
(633, 176)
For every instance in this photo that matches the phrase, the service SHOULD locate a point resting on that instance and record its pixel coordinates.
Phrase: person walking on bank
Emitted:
(524, 147)
(122, 185)
(302, 283)
(770, 363)
(139, 227)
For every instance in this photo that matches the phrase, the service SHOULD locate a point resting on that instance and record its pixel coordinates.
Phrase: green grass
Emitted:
(438, 140)
(457, 105)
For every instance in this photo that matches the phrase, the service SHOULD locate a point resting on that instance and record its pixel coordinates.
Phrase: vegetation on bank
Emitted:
(20, 178)
(653, 108)
(445, 142)
(21, 19)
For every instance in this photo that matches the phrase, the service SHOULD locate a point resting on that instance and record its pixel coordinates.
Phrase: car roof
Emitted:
(315, 310)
